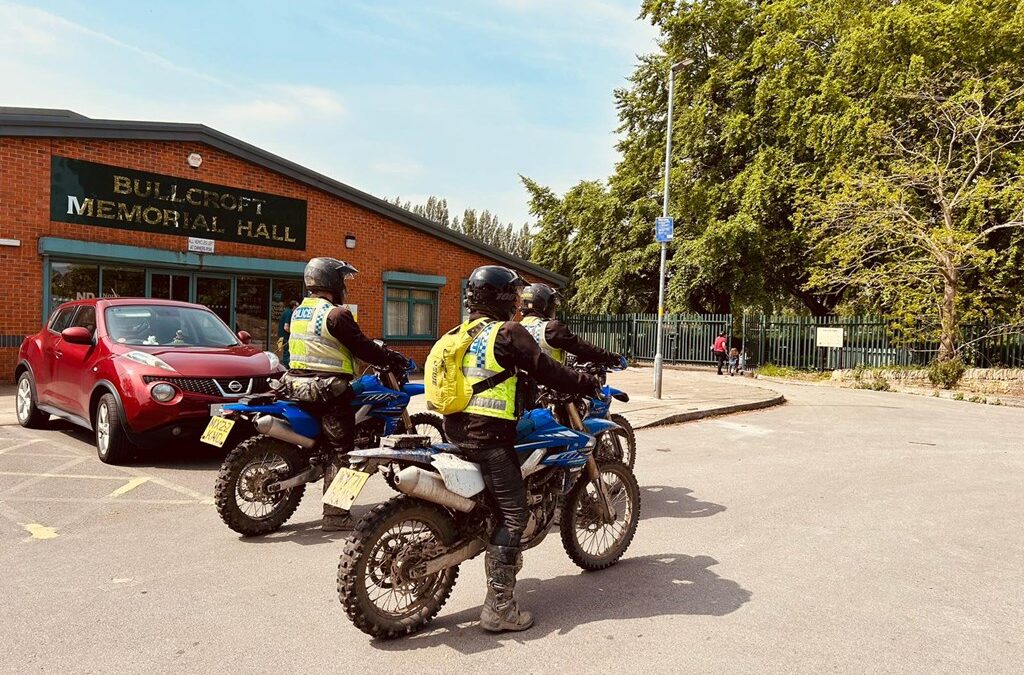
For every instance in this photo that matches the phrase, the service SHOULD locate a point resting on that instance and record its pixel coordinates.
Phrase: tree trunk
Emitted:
(950, 328)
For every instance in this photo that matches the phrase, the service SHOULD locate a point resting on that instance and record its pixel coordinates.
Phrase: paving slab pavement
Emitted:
(686, 395)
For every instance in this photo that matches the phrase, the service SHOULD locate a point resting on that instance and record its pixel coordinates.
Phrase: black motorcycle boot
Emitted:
(334, 519)
(501, 611)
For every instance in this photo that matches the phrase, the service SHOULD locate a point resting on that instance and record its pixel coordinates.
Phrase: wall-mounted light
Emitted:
(350, 241)
(195, 160)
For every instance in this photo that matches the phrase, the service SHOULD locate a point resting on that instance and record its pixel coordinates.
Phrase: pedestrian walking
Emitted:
(720, 351)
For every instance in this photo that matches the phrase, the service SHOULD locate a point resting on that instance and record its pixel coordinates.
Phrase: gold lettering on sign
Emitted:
(122, 185)
(171, 217)
(194, 202)
(287, 235)
(261, 231)
(214, 227)
(138, 191)
(226, 199)
(245, 227)
(210, 199)
(152, 215)
(132, 214)
(79, 209)
(200, 223)
(105, 209)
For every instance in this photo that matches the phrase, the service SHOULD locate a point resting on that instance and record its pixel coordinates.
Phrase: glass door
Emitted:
(170, 286)
(215, 293)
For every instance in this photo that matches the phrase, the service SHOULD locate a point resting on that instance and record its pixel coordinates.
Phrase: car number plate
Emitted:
(345, 487)
(217, 431)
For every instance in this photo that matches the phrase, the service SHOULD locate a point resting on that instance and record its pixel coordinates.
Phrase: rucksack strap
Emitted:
(493, 381)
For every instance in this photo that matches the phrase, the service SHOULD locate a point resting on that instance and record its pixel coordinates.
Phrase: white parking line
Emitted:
(21, 445)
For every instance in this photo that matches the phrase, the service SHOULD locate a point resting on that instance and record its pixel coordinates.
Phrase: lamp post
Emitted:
(664, 212)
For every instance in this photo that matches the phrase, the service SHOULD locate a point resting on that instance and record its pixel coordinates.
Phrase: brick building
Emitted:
(105, 207)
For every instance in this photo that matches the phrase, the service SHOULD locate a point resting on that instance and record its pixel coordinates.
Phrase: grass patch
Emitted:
(771, 370)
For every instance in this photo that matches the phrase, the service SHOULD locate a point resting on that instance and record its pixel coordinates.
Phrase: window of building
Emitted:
(123, 282)
(72, 281)
(410, 313)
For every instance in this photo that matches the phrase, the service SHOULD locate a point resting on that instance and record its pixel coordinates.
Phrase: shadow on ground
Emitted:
(665, 501)
(636, 588)
(188, 456)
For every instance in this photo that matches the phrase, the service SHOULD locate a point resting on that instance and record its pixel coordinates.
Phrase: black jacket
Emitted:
(559, 336)
(514, 348)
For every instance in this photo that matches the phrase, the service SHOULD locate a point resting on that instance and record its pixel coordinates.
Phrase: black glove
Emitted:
(397, 362)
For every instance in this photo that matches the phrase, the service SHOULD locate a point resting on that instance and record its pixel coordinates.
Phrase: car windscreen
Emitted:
(162, 326)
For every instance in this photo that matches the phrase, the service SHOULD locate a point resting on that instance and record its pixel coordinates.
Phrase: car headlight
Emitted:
(274, 361)
(163, 392)
(148, 360)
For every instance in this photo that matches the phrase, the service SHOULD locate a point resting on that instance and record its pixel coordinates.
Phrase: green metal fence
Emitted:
(788, 340)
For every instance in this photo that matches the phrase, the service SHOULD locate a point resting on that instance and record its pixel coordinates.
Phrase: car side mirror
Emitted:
(77, 335)
(244, 336)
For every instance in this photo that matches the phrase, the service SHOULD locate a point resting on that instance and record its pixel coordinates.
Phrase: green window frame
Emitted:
(403, 305)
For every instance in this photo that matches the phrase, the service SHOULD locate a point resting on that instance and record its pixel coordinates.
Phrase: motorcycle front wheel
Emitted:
(591, 541)
(240, 493)
(374, 586)
(618, 445)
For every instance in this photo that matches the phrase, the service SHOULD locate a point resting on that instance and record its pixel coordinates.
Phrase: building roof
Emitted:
(47, 123)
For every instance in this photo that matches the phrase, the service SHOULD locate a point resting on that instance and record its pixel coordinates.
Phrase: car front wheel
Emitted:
(29, 416)
(112, 444)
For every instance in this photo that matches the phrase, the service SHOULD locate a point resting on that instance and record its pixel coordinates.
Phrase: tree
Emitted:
(907, 231)
(485, 226)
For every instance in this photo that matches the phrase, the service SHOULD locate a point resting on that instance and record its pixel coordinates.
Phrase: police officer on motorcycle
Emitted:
(540, 303)
(486, 429)
(324, 343)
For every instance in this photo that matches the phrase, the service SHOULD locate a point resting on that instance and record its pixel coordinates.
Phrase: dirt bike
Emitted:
(399, 566)
(262, 480)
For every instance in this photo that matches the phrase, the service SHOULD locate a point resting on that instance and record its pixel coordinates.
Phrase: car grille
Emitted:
(218, 387)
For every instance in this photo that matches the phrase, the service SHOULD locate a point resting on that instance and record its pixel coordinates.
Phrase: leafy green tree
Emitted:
(484, 226)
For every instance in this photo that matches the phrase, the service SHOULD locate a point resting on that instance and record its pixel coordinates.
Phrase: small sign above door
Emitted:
(199, 245)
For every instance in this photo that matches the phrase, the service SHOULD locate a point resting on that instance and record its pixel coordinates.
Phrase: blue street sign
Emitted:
(663, 229)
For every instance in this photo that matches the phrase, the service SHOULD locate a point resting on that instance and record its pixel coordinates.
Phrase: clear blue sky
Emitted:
(394, 98)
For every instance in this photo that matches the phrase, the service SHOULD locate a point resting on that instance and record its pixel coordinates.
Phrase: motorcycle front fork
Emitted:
(406, 420)
(607, 509)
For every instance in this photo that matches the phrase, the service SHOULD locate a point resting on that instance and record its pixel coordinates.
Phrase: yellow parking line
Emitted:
(128, 487)
(40, 531)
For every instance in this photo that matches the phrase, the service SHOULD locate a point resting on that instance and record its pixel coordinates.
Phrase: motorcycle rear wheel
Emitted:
(591, 544)
(393, 536)
(238, 494)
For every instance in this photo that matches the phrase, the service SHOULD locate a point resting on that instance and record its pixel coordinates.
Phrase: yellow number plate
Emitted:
(217, 431)
(345, 487)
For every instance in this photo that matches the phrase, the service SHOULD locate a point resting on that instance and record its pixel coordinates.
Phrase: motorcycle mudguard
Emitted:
(413, 388)
(617, 394)
(418, 455)
(459, 475)
(596, 425)
(300, 421)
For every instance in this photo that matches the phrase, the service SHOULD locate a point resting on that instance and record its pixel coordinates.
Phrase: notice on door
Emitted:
(109, 196)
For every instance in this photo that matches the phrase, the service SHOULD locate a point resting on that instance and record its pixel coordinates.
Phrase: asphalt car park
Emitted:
(844, 531)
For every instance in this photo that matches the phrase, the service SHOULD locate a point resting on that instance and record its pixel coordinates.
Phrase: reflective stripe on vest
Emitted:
(538, 328)
(310, 344)
(479, 364)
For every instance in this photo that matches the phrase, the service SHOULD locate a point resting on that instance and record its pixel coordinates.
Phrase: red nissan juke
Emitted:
(138, 372)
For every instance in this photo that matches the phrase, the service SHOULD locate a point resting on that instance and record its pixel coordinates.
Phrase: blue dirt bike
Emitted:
(618, 444)
(399, 566)
(262, 480)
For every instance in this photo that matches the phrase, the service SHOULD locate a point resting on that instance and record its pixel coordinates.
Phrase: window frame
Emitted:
(410, 304)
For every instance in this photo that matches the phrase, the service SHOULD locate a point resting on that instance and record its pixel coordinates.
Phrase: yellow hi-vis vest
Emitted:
(479, 364)
(537, 327)
(311, 346)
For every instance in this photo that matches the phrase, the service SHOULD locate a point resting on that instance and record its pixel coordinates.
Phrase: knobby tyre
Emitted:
(590, 543)
(626, 452)
(240, 495)
(387, 542)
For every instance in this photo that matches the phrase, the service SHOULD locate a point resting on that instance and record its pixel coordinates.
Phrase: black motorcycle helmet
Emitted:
(494, 290)
(328, 275)
(541, 300)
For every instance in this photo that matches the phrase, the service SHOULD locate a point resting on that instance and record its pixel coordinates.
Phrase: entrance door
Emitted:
(171, 286)
(215, 293)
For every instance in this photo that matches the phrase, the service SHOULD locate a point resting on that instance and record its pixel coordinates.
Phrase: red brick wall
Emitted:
(382, 244)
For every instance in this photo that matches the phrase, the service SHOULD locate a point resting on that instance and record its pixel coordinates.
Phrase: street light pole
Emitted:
(658, 357)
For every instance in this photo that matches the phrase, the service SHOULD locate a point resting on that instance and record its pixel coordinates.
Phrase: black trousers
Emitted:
(720, 357)
(504, 480)
(338, 419)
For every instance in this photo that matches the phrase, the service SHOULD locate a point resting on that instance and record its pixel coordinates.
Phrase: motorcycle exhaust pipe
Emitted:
(279, 429)
(428, 486)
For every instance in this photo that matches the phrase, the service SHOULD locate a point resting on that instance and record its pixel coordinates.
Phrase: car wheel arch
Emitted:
(99, 389)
